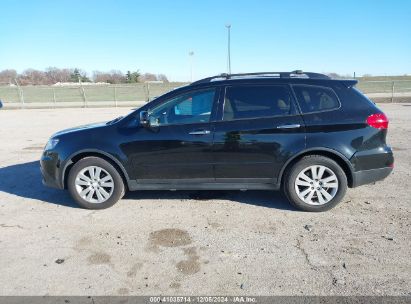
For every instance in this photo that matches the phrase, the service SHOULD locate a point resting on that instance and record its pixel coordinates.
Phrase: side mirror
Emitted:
(144, 118)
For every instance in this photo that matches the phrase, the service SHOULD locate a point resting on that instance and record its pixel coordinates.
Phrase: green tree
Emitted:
(78, 75)
(84, 78)
(132, 77)
(75, 75)
(128, 76)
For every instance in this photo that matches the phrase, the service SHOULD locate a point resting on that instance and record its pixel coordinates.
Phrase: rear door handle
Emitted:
(292, 126)
(200, 132)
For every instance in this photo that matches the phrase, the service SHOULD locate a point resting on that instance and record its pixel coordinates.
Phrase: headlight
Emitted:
(51, 144)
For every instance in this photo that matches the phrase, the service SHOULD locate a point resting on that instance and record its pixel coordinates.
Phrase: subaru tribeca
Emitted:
(304, 133)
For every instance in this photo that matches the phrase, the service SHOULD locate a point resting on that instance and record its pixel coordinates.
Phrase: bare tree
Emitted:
(162, 78)
(117, 76)
(33, 77)
(99, 76)
(147, 77)
(8, 76)
(338, 76)
(114, 76)
(52, 75)
(55, 75)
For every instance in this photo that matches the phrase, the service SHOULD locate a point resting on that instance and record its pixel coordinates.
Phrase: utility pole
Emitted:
(191, 54)
(228, 26)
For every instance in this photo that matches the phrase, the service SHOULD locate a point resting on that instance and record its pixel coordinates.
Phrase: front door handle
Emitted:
(200, 132)
(292, 126)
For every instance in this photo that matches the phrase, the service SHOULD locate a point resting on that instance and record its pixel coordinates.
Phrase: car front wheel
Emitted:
(94, 183)
(315, 183)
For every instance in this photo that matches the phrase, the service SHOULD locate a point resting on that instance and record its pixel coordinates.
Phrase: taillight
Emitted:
(378, 121)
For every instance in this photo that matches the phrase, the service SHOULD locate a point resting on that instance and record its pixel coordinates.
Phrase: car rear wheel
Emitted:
(94, 183)
(315, 183)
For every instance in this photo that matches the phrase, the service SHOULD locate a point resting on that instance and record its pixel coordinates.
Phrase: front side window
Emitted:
(316, 99)
(255, 101)
(194, 107)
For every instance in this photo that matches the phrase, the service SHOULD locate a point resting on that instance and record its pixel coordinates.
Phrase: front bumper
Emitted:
(50, 170)
(370, 176)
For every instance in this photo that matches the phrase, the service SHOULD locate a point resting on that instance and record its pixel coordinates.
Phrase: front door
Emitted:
(177, 146)
(258, 130)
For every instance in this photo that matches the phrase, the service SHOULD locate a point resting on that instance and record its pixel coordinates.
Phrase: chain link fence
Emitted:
(387, 91)
(90, 95)
(84, 95)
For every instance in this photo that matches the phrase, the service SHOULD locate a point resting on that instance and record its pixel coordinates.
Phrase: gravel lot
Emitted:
(190, 243)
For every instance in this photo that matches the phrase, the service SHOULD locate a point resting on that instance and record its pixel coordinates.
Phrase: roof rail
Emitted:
(293, 74)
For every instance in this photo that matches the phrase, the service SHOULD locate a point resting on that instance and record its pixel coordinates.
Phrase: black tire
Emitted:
(305, 162)
(118, 190)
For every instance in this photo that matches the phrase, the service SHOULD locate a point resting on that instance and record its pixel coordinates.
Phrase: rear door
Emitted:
(258, 130)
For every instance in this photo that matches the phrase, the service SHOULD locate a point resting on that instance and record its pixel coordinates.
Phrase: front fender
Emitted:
(91, 152)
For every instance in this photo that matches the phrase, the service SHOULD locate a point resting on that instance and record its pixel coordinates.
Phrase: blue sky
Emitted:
(156, 36)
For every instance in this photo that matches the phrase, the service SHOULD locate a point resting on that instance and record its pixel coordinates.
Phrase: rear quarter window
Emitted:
(316, 98)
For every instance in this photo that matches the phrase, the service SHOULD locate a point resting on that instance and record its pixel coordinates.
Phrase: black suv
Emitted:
(305, 133)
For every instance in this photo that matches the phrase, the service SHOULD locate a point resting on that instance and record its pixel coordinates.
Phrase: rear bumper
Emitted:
(369, 176)
(372, 165)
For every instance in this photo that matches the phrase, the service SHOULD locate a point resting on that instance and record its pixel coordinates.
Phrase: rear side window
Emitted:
(250, 101)
(316, 99)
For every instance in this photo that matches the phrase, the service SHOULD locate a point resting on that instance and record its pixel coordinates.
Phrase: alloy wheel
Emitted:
(316, 185)
(94, 184)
